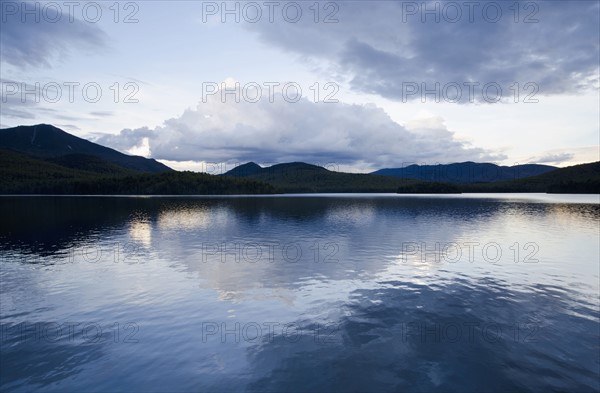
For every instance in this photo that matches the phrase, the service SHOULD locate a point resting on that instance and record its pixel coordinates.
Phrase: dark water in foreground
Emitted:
(316, 293)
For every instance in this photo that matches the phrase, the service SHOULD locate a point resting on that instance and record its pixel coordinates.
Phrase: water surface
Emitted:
(300, 293)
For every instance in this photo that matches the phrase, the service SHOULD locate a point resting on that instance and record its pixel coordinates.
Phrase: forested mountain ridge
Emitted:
(43, 159)
(466, 172)
(47, 141)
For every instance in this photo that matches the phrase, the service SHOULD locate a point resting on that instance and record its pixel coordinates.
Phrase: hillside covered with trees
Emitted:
(46, 160)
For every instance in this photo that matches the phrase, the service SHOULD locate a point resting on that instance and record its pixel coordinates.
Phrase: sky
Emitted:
(349, 85)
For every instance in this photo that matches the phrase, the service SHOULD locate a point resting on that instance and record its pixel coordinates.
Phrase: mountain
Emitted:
(46, 160)
(245, 170)
(466, 172)
(577, 179)
(46, 141)
(299, 177)
(89, 163)
(252, 169)
(21, 173)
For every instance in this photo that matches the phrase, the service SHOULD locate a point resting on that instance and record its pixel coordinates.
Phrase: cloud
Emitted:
(126, 139)
(382, 48)
(14, 106)
(69, 127)
(567, 156)
(279, 131)
(101, 114)
(555, 158)
(27, 42)
(25, 103)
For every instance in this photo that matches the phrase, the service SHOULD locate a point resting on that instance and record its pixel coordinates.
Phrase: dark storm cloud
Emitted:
(382, 46)
(33, 39)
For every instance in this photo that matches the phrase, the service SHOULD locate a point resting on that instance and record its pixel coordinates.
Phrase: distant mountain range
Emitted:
(466, 172)
(43, 159)
(301, 177)
(576, 179)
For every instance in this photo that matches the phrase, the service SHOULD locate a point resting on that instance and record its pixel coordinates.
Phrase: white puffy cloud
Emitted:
(280, 131)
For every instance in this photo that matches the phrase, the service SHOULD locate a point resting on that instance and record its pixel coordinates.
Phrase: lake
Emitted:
(300, 293)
